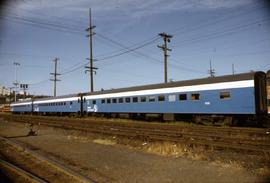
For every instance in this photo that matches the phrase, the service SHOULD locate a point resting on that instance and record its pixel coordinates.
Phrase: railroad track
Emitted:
(19, 174)
(240, 139)
(190, 140)
(20, 164)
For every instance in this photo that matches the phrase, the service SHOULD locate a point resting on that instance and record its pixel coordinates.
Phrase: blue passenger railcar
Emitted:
(241, 94)
(57, 105)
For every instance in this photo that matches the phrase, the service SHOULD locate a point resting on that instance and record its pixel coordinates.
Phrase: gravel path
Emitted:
(107, 162)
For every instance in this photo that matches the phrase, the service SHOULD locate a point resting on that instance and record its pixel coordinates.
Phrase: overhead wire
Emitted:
(210, 22)
(120, 52)
(128, 50)
(220, 33)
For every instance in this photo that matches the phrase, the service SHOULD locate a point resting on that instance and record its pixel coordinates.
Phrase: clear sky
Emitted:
(226, 32)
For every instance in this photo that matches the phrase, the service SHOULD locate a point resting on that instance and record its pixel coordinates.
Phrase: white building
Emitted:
(4, 90)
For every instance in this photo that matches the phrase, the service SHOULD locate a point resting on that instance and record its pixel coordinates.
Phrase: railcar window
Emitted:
(78, 100)
(172, 98)
(108, 101)
(127, 100)
(182, 97)
(94, 102)
(114, 100)
(143, 99)
(225, 95)
(161, 98)
(70, 103)
(84, 99)
(135, 99)
(195, 96)
(120, 100)
(152, 99)
(103, 101)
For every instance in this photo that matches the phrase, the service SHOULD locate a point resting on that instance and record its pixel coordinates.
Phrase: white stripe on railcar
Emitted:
(18, 104)
(47, 101)
(194, 88)
(57, 100)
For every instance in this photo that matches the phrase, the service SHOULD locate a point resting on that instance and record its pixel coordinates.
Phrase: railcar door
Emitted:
(260, 93)
(268, 91)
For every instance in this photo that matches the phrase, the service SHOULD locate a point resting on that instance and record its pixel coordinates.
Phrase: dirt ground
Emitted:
(106, 161)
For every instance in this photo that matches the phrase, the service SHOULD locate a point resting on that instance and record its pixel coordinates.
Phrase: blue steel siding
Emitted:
(74, 107)
(241, 102)
(24, 108)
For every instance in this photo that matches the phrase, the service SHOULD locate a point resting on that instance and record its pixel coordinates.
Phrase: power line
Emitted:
(128, 50)
(219, 33)
(195, 27)
(40, 82)
(60, 19)
(44, 25)
(121, 45)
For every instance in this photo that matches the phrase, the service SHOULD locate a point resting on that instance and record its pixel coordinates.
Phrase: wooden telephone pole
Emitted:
(55, 74)
(167, 39)
(90, 68)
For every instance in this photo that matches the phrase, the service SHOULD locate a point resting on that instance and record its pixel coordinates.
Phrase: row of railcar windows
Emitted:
(53, 104)
(171, 98)
(160, 98)
(22, 106)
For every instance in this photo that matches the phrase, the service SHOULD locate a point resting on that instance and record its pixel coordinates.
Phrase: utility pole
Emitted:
(211, 71)
(90, 68)
(233, 70)
(16, 83)
(55, 74)
(10, 89)
(166, 39)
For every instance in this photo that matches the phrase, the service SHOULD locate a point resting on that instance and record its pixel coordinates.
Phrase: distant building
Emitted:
(4, 91)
